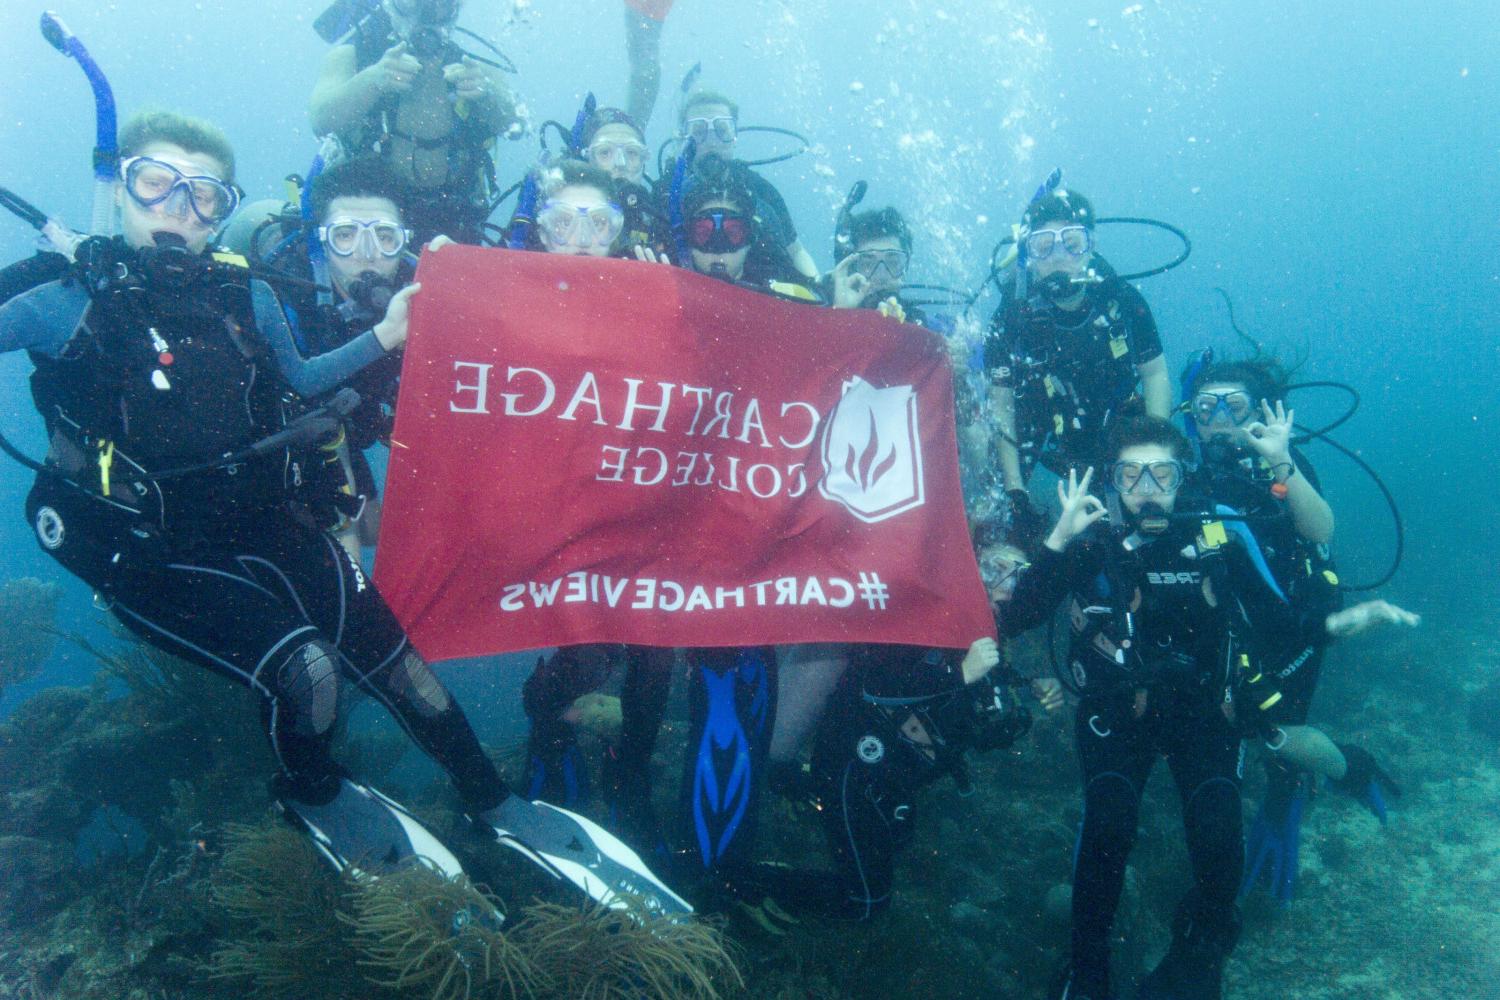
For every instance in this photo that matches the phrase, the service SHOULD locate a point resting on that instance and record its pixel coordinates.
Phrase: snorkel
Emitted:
(674, 201)
(843, 239)
(1023, 268)
(106, 146)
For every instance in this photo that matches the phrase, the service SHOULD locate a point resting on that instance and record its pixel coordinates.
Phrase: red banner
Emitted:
(608, 451)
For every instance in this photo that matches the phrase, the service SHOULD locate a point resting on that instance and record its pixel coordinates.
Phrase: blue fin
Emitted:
(1273, 844)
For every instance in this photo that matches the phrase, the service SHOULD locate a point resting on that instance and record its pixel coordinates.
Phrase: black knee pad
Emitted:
(307, 686)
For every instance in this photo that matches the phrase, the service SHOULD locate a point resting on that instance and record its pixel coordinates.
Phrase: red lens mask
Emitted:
(718, 232)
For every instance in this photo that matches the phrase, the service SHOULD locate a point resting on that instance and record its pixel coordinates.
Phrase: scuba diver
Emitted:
(577, 213)
(710, 121)
(185, 484)
(900, 719)
(733, 691)
(1071, 348)
(396, 84)
(1155, 659)
(872, 251)
(1248, 466)
(722, 232)
(364, 259)
(615, 143)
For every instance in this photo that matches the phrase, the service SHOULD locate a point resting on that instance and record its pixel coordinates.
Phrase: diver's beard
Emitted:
(720, 271)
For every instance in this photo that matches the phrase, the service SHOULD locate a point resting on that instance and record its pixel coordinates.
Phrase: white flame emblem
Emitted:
(872, 452)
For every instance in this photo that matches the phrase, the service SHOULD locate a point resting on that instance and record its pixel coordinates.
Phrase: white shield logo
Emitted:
(872, 452)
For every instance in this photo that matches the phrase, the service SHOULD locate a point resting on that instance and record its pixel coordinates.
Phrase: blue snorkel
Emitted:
(106, 144)
(674, 201)
(580, 123)
(1049, 185)
(1196, 366)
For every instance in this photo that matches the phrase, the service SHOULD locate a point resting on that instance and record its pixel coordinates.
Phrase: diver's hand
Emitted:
(1362, 617)
(892, 308)
(1080, 510)
(1048, 691)
(391, 330)
(1271, 438)
(396, 70)
(650, 256)
(438, 242)
(468, 80)
(981, 658)
(849, 286)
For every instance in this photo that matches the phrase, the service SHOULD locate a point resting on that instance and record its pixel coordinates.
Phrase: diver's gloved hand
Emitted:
(1027, 524)
(1275, 836)
(1365, 781)
(579, 851)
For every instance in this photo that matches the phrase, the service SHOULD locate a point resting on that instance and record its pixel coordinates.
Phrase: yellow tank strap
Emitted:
(1331, 577)
(1015, 248)
(1214, 535)
(233, 259)
(106, 460)
(793, 291)
(293, 189)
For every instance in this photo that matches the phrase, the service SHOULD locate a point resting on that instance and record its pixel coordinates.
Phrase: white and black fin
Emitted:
(368, 833)
(575, 849)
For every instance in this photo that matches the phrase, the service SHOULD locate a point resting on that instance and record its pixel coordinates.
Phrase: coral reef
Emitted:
(27, 607)
(604, 954)
(284, 939)
(424, 935)
(211, 907)
(298, 930)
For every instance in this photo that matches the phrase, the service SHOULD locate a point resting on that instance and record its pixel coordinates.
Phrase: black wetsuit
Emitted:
(320, 327)
(229, 566)
(1303, 571)
(1072, 371)
(1142, 628)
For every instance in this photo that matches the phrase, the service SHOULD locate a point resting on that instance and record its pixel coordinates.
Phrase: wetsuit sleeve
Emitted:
(1042, 588)
(771, 207)
(313, 376)
(1144, 340)
(43, 319)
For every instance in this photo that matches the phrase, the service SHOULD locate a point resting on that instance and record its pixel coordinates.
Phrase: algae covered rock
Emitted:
(34, 879)
(27, 608)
